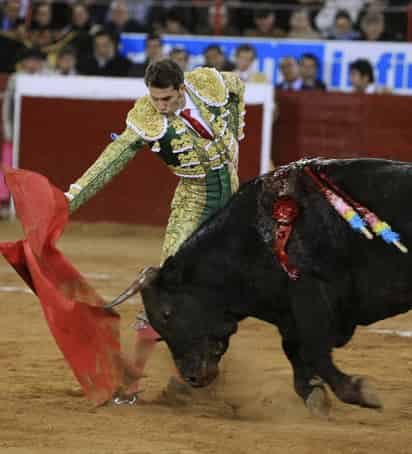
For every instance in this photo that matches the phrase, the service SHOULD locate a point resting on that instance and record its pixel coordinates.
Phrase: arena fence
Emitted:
(337, 125)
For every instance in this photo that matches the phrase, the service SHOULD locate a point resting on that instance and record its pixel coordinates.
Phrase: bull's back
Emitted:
(380, 273)
(382, 185)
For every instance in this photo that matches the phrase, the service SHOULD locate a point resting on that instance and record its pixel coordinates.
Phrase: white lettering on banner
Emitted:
(268, 68)
(392, 63)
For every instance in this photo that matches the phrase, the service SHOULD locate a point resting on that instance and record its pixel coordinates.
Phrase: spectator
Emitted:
(153, 51)
(289, 69)
(10, 15)
(10, 47)
(80, 17)
(81, 28)
(215, 58)
(374, 6)
(66, 62)
(218, 23)
(343, 27)
(42, 37)
(105, 60)
(362, 77)
(140, 12)
(42, 16)
(174, 24)
(300, 26)
(245, 58)
(159, 13)
(373, 28)
(325, 20)
(284, 9)
(181, 57)
(309, 67)
(265, 25)
(120, 21)
(396, 19)
(43, 32)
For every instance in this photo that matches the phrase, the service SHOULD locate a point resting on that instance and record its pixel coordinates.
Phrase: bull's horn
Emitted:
(143, 279)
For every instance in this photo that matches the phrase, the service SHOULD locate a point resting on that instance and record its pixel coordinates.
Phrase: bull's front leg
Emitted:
(307, 385)
(316, 311)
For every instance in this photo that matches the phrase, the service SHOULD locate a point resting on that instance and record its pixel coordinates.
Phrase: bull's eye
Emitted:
(166, 315)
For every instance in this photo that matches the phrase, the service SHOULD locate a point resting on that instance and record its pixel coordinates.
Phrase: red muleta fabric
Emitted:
(87, 334)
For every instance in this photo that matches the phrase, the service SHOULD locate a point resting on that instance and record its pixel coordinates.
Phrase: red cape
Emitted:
(87, 334)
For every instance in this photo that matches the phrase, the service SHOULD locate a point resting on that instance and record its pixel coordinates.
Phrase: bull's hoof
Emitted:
(318, 402)
(368, 397)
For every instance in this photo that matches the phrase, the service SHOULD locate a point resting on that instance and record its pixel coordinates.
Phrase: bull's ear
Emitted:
(171, 274)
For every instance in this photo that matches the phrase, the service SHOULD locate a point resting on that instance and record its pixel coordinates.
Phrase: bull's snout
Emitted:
(203, 377)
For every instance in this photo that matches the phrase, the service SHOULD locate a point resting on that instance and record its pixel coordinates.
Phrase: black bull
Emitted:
(226, 271)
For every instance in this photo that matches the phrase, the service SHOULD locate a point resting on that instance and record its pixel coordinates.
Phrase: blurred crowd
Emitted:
(302, 74)
(83, 36)
(79, 38)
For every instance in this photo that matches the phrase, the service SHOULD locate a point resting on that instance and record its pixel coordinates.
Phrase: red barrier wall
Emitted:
(60, 138)
(342, 125)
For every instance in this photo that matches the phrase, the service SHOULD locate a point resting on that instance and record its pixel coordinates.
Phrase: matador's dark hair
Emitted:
(163, 74)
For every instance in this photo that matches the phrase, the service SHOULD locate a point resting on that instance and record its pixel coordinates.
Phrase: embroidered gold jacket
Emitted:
(220, 100)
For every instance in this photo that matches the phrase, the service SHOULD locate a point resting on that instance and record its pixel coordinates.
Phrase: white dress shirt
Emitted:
(194, 112)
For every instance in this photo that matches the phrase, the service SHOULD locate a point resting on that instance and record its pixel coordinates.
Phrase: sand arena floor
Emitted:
(250, 409)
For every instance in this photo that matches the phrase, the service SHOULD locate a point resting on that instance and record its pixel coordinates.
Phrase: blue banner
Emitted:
(392, 61)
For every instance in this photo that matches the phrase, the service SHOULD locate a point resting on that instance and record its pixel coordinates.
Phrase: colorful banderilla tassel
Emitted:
(343, 208)
(385, 231)
(379, 227)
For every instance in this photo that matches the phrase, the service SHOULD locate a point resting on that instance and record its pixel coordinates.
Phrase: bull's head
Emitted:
(190, 318)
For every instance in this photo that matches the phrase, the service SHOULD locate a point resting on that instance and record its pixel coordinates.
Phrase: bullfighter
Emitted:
(193, 121)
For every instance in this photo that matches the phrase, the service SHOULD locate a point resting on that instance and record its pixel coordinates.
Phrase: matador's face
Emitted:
(167, 100)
